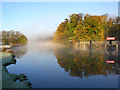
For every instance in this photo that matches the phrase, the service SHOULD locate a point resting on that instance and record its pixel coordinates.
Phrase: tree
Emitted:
(86, 27)
(22, 39)
(13, 37)
(114, 30)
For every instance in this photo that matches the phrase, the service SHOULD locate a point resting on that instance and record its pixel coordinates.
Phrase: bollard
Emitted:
(105, 46)
(84, 45)
(116, 47)
(90, 44)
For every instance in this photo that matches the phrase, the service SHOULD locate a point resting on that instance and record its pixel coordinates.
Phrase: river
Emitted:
(50, 66)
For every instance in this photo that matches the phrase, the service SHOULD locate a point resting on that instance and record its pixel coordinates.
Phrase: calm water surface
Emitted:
(52, 67)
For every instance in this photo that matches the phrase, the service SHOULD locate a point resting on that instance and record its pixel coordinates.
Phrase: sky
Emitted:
(43, 18)
(119, 9)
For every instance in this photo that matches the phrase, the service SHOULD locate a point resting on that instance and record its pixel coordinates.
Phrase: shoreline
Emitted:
(12, 80)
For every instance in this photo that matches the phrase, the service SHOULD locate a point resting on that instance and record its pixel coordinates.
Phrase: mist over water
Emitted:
(43, 44)
(43, 41)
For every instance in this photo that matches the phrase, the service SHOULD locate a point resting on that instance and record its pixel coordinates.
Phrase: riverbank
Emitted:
(12, 80)
(9, 48)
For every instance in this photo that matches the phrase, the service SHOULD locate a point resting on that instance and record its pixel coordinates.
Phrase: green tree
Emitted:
(87, 27)
(114, 30)
(13, 37)
(23, 39)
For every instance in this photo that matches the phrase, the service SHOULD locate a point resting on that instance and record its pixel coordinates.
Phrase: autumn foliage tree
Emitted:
(81, 27)
(13, 37)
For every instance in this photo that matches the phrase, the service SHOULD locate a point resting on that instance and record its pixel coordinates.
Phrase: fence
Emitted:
(104, 44)
(98, 42)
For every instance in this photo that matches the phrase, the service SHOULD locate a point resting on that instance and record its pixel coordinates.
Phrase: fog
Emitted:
(42, 44)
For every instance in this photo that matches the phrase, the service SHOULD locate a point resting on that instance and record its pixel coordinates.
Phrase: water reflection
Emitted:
(85, 63)
(19, 51)
(39, 64)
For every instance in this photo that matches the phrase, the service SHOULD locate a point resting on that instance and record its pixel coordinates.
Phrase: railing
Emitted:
(104, 44)
(99, 42)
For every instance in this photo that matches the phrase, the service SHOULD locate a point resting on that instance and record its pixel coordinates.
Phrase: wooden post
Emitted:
(116, 47)
(110, 45)
(84, 45)
(110, 42)
(90, 44)
(76, 45)
(105, 46)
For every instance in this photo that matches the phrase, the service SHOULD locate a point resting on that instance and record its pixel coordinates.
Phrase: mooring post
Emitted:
(90, 44)
(105, 46)
(84, 45)
(78, 43)
(110, 42)
(116, 47)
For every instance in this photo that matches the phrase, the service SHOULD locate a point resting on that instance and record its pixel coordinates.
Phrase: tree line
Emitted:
(80, 27)
(13, 37)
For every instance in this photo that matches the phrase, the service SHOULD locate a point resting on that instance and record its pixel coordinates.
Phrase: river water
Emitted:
(52, 66)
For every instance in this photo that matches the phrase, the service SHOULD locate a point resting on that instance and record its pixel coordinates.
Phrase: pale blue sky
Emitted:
(40, 18)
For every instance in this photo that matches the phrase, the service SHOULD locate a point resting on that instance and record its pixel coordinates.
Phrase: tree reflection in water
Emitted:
(83, 63)
(20, 51)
